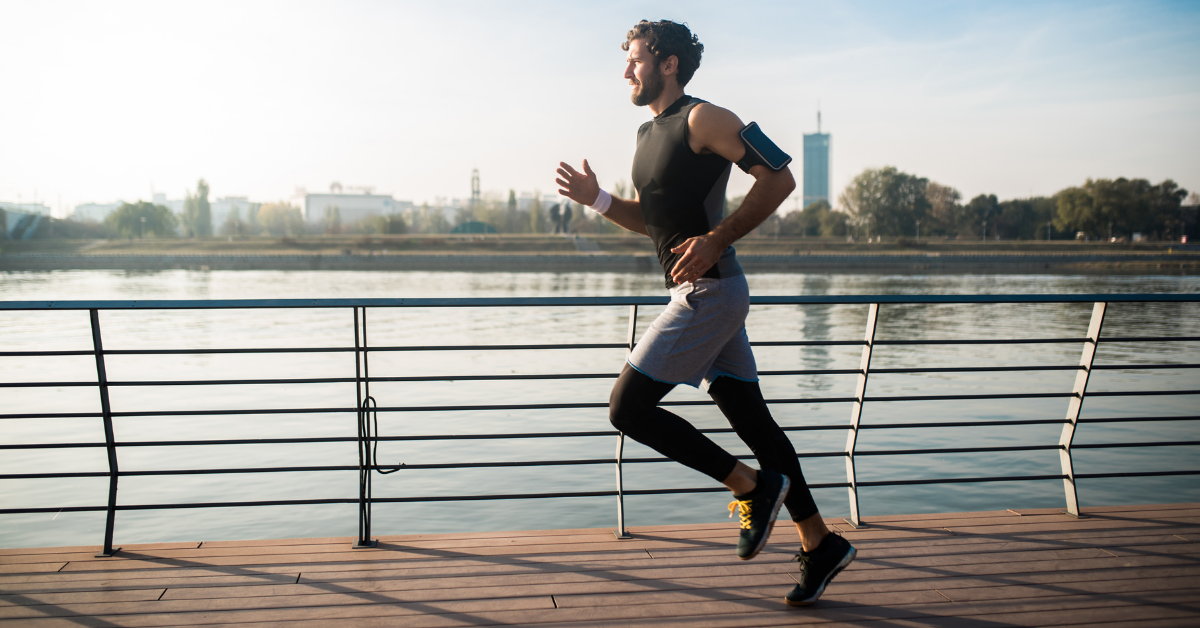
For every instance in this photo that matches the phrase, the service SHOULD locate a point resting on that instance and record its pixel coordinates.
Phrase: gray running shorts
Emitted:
(700, 336)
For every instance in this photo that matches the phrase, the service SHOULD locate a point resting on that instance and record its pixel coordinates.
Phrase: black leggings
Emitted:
(633, 409)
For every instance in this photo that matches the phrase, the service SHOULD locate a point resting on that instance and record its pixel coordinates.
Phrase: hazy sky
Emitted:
(106, 100)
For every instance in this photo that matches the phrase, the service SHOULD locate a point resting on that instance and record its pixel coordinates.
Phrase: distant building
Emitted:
(816, 165)
(176, 206)
(95, 212)
(525, 200)
(351, 207)
(26, 208)
(222, 207)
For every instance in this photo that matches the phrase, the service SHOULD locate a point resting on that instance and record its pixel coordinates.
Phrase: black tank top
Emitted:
(682, 194)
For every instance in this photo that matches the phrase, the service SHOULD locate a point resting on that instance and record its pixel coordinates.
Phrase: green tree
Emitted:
(391, 224)
(979, 216)
(944, 210)
(142, 219)
(280, 219)
(835, 223)
(537, 216)
(1120, 207)
(333, 219)
(197, 212)
(811, 217)
(434, 220)
(233, 225)
(1025, 218)
(885, 201)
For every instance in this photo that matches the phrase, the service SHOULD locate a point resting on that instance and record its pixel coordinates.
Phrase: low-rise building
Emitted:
(351, 206)
(26, 208)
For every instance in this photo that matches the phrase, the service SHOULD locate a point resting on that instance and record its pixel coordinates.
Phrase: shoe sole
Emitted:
(783, 491)
(836, 570)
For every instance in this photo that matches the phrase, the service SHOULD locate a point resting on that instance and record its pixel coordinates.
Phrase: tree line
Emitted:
(888, 202)
(878, 202)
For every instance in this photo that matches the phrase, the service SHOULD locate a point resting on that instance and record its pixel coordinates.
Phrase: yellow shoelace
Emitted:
(742, 505)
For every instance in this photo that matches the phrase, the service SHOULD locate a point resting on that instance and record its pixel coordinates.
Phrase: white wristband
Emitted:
(602, 203)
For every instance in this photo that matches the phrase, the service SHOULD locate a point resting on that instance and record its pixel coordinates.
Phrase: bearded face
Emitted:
(650, 87)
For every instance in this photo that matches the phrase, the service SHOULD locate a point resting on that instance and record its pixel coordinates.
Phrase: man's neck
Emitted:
(669, 95)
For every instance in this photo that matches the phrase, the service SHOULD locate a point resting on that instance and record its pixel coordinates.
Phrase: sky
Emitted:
(101, 101)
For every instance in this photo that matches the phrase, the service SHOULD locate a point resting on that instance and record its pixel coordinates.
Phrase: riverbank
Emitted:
(541, 253)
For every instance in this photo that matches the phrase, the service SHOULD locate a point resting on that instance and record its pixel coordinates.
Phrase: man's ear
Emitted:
(670, 66)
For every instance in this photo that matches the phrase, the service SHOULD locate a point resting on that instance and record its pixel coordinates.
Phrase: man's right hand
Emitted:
(581, 187)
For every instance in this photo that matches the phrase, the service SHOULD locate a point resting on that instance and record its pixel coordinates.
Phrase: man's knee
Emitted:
(633, 399)
(624, 411)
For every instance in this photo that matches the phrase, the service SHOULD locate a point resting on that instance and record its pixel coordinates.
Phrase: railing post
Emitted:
(860, 391)
(110, 441)
(364, 454)
(1076, 405)
(621, 532)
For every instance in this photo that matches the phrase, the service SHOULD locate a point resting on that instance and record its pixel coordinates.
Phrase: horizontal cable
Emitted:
(664, 491)
(952, 450)
(388, 500)
(1141, 393)
(351, 439)
(1004, 478)
(1141, 367)
(968, 397)
(848, 299)
(1179, 443)
(976, 369)
(1107, 339)
(1138, 419)
(594, 405)
(568, 376)
(1135, 474)
(892, 426)
(986, 341)
(402, 466)
(32, 354)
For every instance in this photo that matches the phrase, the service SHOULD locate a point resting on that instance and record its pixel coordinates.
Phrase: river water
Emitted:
(24, 331)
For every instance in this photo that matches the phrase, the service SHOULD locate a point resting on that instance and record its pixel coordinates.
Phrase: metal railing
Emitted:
(367, 409)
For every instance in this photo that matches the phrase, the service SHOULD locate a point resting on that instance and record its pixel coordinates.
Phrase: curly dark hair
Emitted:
(665, 38)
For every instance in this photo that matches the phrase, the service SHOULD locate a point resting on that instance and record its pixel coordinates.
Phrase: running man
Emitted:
(680, 170)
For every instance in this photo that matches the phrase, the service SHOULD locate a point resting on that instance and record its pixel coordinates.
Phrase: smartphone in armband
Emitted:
(761, 150)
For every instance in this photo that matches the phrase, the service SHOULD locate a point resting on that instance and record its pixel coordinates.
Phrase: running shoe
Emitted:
(818, 567)
(758, 510)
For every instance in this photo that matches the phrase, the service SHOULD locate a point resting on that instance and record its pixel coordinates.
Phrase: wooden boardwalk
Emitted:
(1119, 566)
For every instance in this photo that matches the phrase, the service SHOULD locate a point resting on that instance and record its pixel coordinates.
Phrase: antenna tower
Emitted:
(475, 188)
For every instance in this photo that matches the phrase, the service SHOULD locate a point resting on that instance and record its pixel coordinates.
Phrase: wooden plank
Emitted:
(608, 552)
(755, 609)
(88, 549)
(38, 568)
(1125, 565)
(76, 585)
(9, 598)
(1121, 586)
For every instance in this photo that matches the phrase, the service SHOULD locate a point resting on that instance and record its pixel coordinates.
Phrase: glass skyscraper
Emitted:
(816, 166)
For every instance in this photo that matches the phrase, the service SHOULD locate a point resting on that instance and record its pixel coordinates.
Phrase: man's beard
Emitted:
(651, 89)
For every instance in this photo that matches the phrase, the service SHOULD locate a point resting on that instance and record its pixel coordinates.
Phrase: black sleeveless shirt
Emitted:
(682, 194)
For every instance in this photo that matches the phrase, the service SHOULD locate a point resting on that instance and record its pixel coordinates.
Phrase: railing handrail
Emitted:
(848, 299)
(366, 407)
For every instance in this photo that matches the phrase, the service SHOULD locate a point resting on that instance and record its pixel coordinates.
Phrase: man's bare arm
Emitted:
(712, 129)
(583, 188)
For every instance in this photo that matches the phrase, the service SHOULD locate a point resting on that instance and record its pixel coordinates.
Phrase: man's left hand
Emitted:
(699, 254)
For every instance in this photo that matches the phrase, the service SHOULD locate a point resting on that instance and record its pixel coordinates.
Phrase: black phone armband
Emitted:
(761, 151)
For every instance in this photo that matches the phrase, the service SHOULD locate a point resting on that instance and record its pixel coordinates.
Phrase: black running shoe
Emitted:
(758, 510)
(818, 567)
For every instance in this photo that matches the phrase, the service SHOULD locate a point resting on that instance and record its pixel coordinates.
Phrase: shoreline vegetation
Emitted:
(594, 253)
